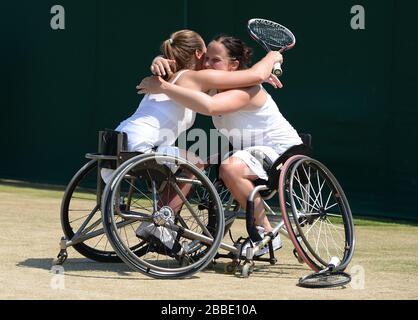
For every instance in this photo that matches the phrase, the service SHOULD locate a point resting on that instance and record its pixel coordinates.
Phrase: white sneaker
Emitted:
(166, 236)
(277, 244)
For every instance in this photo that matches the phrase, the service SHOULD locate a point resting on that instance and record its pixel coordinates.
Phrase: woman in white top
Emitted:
(248, 116)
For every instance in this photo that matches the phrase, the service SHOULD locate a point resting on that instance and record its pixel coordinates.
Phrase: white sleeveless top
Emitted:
(263, 126)
(158, 121)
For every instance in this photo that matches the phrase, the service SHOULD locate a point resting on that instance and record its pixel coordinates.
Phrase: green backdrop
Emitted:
(353, 90)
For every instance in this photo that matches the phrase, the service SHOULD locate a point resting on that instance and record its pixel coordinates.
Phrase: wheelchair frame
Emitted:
(234, 251)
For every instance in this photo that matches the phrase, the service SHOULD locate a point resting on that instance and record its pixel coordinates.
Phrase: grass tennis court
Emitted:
(387, 253)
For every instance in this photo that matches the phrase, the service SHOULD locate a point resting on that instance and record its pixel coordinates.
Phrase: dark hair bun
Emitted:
(237, 49)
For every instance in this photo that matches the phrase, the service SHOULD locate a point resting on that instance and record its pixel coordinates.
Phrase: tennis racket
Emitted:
(326, 278)
(272, 37)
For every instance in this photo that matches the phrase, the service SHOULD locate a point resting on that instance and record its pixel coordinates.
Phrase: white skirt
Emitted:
(255, 164)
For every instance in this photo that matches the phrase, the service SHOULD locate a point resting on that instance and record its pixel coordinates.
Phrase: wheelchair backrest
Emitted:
(302, 149)
(306, 139)
(112, 142)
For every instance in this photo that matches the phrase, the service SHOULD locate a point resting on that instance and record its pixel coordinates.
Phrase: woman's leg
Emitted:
(238, 178)
(169, 196)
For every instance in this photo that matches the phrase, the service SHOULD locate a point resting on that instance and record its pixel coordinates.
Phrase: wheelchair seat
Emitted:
(273, 169)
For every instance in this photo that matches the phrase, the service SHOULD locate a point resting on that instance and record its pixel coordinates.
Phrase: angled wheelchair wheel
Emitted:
(81, 217)
(230, 206)
(176, 215)
(316, 213)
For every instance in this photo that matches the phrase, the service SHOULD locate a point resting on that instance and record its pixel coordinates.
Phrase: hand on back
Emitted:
(161, 66)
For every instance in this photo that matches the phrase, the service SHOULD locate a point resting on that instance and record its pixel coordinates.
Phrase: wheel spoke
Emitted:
(335, 204)
(326, 242)
(320, 188)
(299, 200)
(307, 192)
(330, 224)
(337, 247)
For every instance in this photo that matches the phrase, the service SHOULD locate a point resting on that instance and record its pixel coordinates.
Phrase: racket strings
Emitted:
(273, 34)
(328, 279)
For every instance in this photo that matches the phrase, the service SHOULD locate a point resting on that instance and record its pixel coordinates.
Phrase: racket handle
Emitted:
(334, 262)
(277, 69)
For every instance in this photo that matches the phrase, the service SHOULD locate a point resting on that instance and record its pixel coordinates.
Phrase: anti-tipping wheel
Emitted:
(316, 213)
(176, 216)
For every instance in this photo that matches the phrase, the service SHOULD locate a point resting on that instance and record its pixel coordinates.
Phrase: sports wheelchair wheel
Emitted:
(81, 217)
(230, 206)
(176, 215)
(316, 213)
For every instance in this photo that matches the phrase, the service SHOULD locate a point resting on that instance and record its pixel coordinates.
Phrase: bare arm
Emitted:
(222, 103)
(205, 80)
(218, 79)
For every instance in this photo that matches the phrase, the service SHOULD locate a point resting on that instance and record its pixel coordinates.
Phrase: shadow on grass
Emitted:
(76, 264)
(261, 270)
(72, 266)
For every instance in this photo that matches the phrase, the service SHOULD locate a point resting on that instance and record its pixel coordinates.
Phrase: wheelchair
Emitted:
(165, 217)
(312, 211)
(101, 221)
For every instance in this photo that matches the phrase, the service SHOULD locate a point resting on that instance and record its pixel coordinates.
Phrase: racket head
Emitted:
(271, 35)
(325, 279)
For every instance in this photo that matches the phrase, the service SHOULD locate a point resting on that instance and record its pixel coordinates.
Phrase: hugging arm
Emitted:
(217, 79)
(205, 80)
(221, 103)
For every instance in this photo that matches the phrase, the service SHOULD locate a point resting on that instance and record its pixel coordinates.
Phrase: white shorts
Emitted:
(255, 164)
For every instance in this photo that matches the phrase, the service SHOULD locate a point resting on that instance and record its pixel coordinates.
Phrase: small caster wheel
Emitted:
(230, 268)
(296, 254)
(60, 259)
(247, 269)
(273, 261)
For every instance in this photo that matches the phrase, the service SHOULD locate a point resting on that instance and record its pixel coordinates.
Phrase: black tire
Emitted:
(138, 183)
